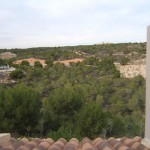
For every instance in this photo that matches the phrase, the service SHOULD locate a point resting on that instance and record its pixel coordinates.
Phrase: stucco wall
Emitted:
(147, 124)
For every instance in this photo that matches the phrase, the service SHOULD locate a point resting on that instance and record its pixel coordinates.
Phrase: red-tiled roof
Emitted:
(30, 60)
(74, 144)
(66, 62)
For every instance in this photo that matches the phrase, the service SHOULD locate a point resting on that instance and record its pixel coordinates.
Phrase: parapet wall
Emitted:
(4, 137)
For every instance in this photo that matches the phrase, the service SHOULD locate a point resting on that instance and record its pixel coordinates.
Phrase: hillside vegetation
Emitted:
(88, 98)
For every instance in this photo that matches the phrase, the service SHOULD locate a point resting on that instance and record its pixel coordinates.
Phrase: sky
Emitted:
(46, 23)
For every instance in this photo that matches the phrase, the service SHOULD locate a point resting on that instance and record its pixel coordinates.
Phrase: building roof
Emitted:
(74, 144)
(66, 62)
(7, 55)
(30, 60)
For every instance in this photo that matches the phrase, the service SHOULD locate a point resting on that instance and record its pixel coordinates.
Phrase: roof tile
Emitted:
(74, 144)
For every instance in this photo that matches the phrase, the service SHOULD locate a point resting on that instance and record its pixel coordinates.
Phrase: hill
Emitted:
(69, 100)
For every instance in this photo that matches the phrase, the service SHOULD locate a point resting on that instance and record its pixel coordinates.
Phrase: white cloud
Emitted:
(56, 8)
(70, 22)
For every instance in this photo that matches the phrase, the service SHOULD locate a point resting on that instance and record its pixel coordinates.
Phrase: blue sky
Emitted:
(37, 23)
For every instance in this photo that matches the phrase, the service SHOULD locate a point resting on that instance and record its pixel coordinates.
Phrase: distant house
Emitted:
(67, 62)
(5, 70)
(4, 67)
(7, 55)
(31, 61)
(103, 43)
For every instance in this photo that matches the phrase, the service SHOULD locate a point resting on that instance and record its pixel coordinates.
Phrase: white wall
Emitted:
(147, 123)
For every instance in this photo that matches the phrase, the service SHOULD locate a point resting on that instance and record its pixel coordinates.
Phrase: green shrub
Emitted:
(63, 132)
(17, 74)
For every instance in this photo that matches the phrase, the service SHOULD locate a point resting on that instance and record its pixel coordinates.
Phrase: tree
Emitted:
(3, 62)
(62, 105)
(37, 64)
(21, 107)
(124, 60)
(25, 63)
(50, 62)
(91, 120)
(107, 67)
(91, 61)
(17, 74)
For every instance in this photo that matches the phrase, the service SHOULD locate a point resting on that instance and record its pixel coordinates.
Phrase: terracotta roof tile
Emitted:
(66, 62)
(138, 146)
(31, 61)
(113, 141)
(121, 146)
(74, 144)
(104, 145)
(129, 142)
(137, 139)
(123, 139)
(36, 140)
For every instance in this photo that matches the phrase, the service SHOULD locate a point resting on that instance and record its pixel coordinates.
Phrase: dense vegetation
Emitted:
(86, 99)
(132, 50)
